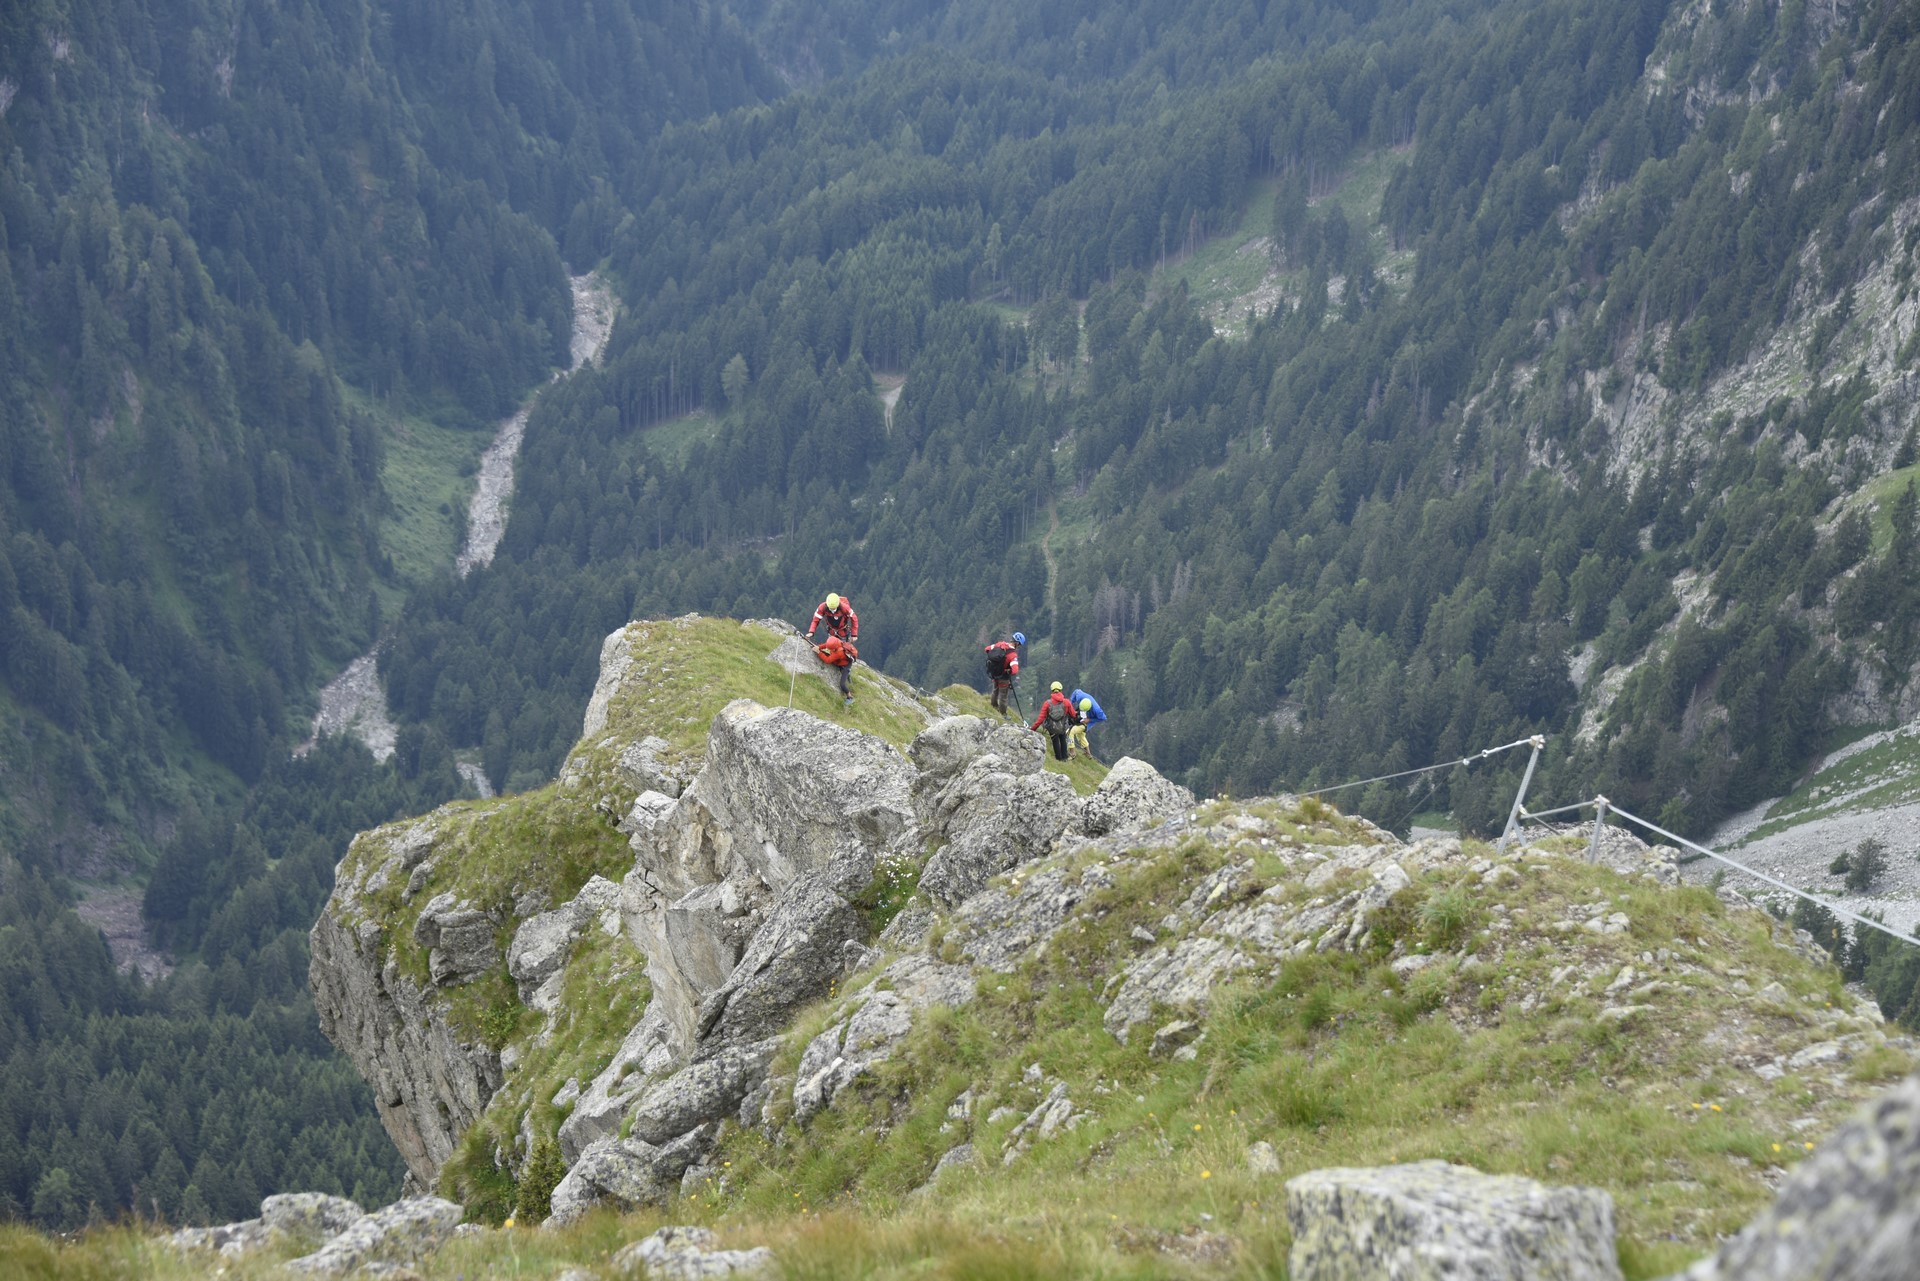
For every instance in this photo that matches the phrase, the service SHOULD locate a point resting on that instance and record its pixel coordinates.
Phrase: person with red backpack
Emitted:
(1057, 718)
(1003, 669)
(843, 629)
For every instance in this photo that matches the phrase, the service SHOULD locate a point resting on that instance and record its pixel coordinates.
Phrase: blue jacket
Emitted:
(1093, 717)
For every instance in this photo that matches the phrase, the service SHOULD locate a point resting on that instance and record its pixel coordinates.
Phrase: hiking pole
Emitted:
(1013, 687)
(791, 678)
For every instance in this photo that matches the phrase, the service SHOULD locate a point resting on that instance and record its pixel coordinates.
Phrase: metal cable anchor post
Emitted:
(1537, 742)
(1600, 804)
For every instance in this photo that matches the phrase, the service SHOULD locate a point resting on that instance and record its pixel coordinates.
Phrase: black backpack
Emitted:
(997, 656)
(1058, 719)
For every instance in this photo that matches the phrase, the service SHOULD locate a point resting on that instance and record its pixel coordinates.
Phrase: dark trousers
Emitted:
(1059, 746)
(1002, 695)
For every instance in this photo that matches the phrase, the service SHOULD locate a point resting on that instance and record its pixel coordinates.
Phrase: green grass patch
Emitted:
(1234, 270)
(429, 474)
(1876, 777)
(672, 441)
(1877, 497)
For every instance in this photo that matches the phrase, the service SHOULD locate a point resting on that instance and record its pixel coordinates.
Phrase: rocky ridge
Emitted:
(740, 894)
(789, 911)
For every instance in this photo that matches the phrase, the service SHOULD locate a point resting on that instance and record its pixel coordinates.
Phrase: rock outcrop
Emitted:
(748, 865)
(1432, 1221)
(348, 1238)
(430, 1081)
(690, 1254)
(403, 1232)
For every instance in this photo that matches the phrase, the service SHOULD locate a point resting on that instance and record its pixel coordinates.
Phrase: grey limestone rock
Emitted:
(956, 1158)
(802, 796)
(1002, 923)
(690, 1254)
(229, 1240)
(1180, 977)
(429, 1084)
(701, 1092)
(1132, 795)
(459, 939)
(1429, 1220)
(950, 744)
(403, 1232)
(993, 816)
(1049, 1117)
(869, 1036)
(786, 807)
(791, 961)
(644, 767)
(309, 1214)
(1849, 1212)
(643, 1056)
(616, 665)
(626, 1173)
(539, 947)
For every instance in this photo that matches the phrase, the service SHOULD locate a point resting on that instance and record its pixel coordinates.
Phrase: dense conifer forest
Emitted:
(1389, 520)
(234, 242)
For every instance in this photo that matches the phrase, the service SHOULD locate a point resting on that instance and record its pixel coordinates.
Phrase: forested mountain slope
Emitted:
(241, 246)
(1594, 421)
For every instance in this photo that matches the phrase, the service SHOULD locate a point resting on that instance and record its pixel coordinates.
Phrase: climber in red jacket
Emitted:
(1057, 718)
(842, 624)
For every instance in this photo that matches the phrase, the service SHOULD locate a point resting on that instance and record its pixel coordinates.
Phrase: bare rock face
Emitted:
(1133, 795)
(1430, 1220)
(313, 1214)
(616, 666)
(458, 939)
(784, 823)
(792, 960)
(229, 1240)
(627, 1172)
(540, 944)
(742, 897)
(701, 1092)
(1849, 1212)
(868, 1037)
(982, 790)
(429, 1083)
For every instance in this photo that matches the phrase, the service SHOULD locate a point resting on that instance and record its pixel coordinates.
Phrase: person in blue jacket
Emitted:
(1089, 713)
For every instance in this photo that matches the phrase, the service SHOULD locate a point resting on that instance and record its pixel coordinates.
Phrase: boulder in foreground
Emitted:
(1430, 1220)
(1849, 1212)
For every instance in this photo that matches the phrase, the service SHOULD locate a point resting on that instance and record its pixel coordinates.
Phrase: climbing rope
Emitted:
(1424, 769)
(1606, 807)
(1855, 917)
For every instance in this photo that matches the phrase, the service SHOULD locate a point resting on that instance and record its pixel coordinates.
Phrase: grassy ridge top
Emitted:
(1493, 1054)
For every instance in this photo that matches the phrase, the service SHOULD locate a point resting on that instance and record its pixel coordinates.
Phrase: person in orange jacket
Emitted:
(836, 613)
(1057, 718)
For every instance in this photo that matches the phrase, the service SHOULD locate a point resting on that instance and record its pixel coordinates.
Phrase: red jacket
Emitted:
(1073, 714)
(1012, 652)
(842, 622)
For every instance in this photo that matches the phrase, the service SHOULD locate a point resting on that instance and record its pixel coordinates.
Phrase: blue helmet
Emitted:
(1019, 638)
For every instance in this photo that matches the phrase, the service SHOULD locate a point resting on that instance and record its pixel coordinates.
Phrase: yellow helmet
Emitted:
(833, 600)
(1086, 704)
(1055, 687)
